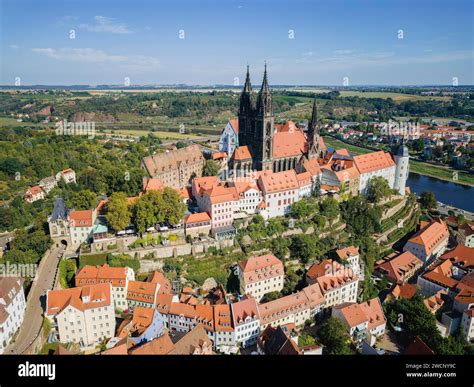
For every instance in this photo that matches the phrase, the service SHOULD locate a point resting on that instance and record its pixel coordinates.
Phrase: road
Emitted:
(34, 304)
(444, 208)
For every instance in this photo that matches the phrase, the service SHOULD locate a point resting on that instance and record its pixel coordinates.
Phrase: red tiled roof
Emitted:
(81, 218)
(373, 161)
(198, 217)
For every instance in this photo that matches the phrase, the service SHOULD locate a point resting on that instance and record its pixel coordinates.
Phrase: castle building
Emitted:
(264, 145)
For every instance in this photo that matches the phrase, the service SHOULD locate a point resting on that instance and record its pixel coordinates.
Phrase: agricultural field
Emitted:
(397, 97)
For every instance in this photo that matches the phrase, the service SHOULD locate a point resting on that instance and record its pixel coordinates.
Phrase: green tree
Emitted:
(329, 207)
(300, 209)
(378, 189)
(428, 200)
(211, 168)
(303, 247)
(173, 206)
(334, 337)
(82, 200)
(118, 213)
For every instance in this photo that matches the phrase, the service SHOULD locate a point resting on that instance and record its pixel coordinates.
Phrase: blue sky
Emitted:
(380, 42)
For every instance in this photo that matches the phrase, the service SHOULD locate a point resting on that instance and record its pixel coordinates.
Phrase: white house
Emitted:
(364, 321)
(12, 308)
(118, 277)
(279, 190)
(83, 315)
(375, 164)
(430, 241)
(261, 275)
(467, 324)
(246, 320)
(68, 175)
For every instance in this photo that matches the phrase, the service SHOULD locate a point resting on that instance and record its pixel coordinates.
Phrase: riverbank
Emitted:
(418, 167)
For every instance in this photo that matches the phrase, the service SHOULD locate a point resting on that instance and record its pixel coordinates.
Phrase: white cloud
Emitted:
(106, 24)
(91, 55)
(14, 46)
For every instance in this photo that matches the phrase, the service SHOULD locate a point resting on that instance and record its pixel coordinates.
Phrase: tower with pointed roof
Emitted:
(313, 133)
(246, 112)
(264, 127)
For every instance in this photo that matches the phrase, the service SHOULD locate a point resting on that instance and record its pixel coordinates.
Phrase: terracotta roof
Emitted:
(465, 297)
(222, 318)
(242, 153)
(243, 309)
(281, 307)
(35, 190)
(152, 184)
(142, 318)
(462, 255)
(406, 291)
(431, 235)
(159, 346)
(219, 155)
(314, 295)
(347, 252)
(396, 267)
(277, 182)
(304, 178)
(312, 166)
(436, 301)
(180, 309)
(441, 274)
(199, 184)
(235, 124)
(274, 341)
(81, 298)
(289, 126)
(157, 277)
(141, 291)
(90, 275)
(196, 218)
(261, 268)
(373, 161)
(369, 311)
(220, 194)
(205, 316)
(81, 218)
(289, 144)
(163, 302)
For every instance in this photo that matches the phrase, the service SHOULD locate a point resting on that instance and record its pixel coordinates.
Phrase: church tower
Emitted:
(246, 112)
(313, 133)
(264, 127)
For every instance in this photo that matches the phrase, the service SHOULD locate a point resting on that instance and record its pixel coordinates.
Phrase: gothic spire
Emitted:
(248, 85)
(314, 116)
(265, 88)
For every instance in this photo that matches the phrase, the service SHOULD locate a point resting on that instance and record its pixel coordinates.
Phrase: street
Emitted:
(35, 301)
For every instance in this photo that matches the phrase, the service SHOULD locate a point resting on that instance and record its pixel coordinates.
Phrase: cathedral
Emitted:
(264, 145)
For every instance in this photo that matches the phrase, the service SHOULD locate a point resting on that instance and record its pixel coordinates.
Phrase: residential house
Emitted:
(430, 241)
(34, 193)
(118, 277)
(261, 275)
(12, 308)
(83, 315)
(246, 321)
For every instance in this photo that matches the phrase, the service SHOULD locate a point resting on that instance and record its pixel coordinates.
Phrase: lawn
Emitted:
(442, 173)
(397, 97)
(337, 144)
(94, 260)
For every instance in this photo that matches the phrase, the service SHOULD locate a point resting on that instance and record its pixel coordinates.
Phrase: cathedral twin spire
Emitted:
(264, 99)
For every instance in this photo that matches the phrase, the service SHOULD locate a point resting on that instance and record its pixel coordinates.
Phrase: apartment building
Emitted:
(430, 241)
(375, 164)
(12, 308)
(261, 275)
(364, 322)
(118, 277)
(83, 315)
(142, 294)
(401, 268)
(246, 321)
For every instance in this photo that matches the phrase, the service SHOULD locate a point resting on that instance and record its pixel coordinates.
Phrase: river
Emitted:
(447, 192)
